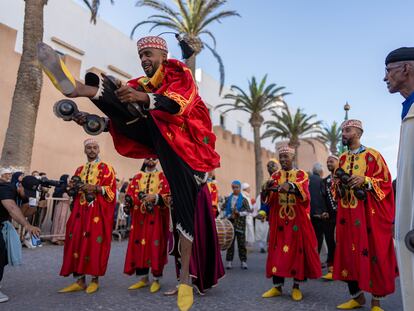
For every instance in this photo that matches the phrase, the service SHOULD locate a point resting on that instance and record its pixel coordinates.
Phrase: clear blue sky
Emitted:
(325, 52)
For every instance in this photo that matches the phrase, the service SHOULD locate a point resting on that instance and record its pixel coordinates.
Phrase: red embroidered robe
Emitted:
(293, 248)
(364, 247)
(89, 227)
(147, 245)
(212, 187)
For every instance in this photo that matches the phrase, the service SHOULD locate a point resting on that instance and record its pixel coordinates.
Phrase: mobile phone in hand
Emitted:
(36, 241)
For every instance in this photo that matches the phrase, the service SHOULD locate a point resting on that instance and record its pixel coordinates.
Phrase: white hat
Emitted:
(245, 185)
(6, 170)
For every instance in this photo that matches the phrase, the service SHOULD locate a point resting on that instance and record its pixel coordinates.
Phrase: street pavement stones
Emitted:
(34, 286)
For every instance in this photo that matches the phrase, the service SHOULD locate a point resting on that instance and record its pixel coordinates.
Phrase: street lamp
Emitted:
(347, 107)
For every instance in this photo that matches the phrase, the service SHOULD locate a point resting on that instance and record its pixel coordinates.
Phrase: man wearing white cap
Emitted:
(249, 218)
(364, 255)
(6, 174)
(261, 224)
(89, 227)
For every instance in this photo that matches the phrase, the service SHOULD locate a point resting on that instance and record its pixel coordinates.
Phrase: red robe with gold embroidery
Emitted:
(293, 248)
(189, 132)
(89, 227)
(364, 247)
(212, 187)
(148, 239)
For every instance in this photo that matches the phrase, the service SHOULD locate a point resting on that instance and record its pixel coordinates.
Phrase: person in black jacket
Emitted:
(318, 207)
(329, 219)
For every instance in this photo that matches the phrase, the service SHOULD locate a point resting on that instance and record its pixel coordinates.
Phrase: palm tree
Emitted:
(191, 21)
(18, 143)
(331, 135)
(296, 128)
(256, 101)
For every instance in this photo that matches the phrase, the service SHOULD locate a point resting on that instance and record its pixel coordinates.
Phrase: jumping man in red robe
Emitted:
(89, 227)
(364, 254)
(293, 248)
(161, 115)
(147, 247)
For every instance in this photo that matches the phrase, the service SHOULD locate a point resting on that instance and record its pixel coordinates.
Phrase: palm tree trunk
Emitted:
(18, 143)
(296, 159)
(191, 63)
(258, 158)
(333, 148)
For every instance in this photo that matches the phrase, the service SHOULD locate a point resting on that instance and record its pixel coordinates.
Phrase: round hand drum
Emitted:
(225, 233)
(409, 241)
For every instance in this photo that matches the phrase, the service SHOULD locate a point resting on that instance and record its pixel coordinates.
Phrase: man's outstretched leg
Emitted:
(60, 75)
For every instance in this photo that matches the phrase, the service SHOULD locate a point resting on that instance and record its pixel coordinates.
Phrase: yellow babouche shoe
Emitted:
(185, 297)
(155, 287)
(328, 276)
(297, 294)
(273, 292)
(138, 285)
(349, 305)
(92, 288)
(55, 69)
(376, 308)
(75, 287)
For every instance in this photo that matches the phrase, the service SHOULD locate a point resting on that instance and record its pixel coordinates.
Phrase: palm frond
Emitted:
(94, 8)
(221, 66)
(210, 34)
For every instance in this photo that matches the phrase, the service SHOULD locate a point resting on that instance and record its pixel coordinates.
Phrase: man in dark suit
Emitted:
(318, 207)
(330, 218)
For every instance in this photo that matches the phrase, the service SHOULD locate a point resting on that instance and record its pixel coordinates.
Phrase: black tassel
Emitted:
(186, 50)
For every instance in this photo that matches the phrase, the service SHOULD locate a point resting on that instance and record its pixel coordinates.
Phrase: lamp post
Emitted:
(347, 107)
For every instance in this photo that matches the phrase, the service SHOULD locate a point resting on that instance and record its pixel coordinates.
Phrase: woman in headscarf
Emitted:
(61, 211)
(236, 209)
(249, 218)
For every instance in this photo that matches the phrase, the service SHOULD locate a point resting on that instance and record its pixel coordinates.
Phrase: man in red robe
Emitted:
(147, 246)
(364, 254)
(161, 115)
(293, 248)
(213, 188)
(89, 227)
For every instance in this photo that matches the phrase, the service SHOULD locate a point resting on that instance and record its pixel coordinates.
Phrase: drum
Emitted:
(225, 233)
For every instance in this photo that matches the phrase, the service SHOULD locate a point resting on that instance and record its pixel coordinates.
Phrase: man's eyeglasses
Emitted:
(388, 69)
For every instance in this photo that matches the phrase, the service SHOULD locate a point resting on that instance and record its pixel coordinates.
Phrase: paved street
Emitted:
(34, 286)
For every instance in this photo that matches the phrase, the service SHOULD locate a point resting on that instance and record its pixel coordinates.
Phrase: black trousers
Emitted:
(145, 271)
(278, 280)
(180, 176)
(325, 228)
(354, 290)
(3, 254)
(240, 236)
